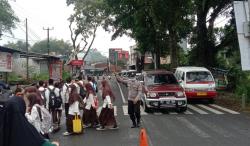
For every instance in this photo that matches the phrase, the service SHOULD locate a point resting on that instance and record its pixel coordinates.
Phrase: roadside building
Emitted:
(15, 62)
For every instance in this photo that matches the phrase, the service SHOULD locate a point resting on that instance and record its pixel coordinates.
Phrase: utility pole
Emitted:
(27, 49)
(48, 29)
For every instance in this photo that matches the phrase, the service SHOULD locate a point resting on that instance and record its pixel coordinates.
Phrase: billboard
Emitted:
(6, 60)
(55, 70)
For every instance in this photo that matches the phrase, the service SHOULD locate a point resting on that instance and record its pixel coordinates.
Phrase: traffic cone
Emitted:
(143, 138)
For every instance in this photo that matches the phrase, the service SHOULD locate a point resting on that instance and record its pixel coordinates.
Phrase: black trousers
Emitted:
(134, 111)
(66, 107)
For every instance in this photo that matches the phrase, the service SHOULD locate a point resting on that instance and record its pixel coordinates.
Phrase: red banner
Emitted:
(76, 62)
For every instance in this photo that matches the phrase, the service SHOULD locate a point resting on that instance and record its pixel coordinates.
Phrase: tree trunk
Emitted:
(158, 57)
(142, 62)
(174, 49)
(205, 54)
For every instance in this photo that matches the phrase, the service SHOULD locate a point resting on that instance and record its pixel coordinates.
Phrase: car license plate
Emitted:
(201, 93)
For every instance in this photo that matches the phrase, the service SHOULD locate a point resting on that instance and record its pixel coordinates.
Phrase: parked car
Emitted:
(198, 82)
(161, 90)
(4, 85)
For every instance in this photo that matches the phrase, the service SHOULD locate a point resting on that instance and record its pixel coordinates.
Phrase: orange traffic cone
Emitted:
(143, 138)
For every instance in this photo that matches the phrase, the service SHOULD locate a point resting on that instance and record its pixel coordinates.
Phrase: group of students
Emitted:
(72, 96)
(42, 106)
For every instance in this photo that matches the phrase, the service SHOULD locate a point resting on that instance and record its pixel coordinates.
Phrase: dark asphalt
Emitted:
(166, 129)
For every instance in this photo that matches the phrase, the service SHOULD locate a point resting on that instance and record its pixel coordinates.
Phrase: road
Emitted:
(201, 125)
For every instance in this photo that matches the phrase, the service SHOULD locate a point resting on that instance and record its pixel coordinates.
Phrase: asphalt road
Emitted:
(201, 125)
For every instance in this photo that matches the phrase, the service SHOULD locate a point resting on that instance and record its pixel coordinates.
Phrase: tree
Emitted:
(19, 45)
(205, 46)
(7, 17)
(58, 46)
(88, 15)
(156, 25)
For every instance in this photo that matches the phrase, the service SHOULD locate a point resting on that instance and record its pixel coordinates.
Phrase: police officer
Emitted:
(134, 101)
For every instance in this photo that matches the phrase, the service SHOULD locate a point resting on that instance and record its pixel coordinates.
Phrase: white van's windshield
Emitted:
(201, 76)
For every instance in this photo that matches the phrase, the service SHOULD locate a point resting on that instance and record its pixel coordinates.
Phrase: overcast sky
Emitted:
(54, 13)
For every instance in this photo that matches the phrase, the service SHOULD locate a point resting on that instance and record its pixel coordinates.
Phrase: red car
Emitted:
(162, 90)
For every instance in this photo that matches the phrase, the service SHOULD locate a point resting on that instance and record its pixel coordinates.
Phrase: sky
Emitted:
(54, 14)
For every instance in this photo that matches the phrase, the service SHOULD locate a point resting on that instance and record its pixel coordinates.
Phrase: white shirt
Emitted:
(33, 118)
(89, 101)
(74, 108)
(65, 93)
(47, 92)
(107, 101)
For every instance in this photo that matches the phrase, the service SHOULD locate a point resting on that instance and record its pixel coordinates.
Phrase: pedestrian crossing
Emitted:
(192, 110)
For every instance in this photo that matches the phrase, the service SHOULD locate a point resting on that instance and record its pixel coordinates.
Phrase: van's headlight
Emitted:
(152, 94)
(180, 94)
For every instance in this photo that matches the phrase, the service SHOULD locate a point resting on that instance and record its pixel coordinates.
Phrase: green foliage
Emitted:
(19, 45)
(13, 77)
(7, 17)
(60, 47)
(95, 56)
(65, 75)
(157, 25)
(38, 77)
(204, 38)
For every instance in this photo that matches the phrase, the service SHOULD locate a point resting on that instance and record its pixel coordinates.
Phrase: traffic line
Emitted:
(125, 110)
(115, 110)
(188, 112)
(197, 110)
(142, 111)
(123, 99)
(210, 109)
(224, 109)
(193, 127)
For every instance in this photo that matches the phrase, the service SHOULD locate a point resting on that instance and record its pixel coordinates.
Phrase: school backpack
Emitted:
(45, 118)
(54, 101)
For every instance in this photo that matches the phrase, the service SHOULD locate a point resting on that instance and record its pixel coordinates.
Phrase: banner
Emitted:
(55, 70)
(5, 62)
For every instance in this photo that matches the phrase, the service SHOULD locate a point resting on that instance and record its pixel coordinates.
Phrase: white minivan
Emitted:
(198, 82)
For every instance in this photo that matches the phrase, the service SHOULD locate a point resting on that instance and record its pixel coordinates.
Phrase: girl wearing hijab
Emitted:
(107, 117)
(74, 100)
(16, 130)
(33, 115)
(90, 118)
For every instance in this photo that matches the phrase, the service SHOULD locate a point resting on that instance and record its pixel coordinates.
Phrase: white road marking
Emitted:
(188, 112)
(157, 113)
(125, 110)
(173, 113)
(193, 127)
(197, 110)
(142, 111)
(224, 109)
(210, 109)
(115, 110)
(123, 99)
